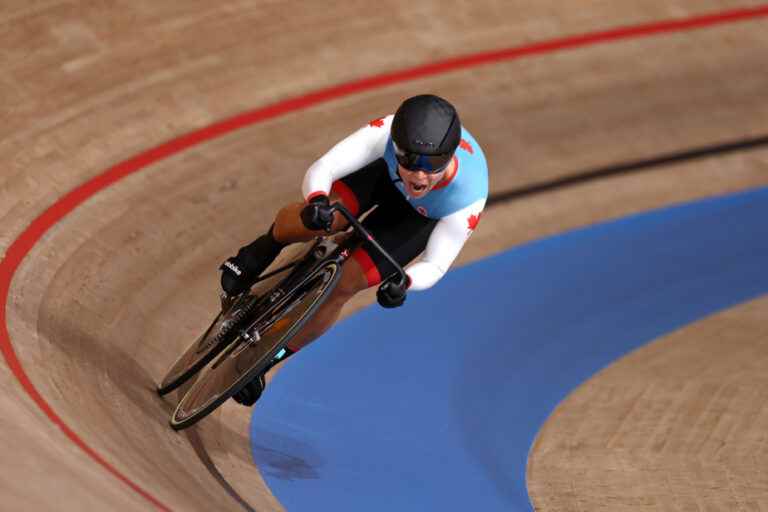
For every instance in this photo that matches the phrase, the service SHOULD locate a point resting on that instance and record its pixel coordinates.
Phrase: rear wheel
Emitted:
(251, 352)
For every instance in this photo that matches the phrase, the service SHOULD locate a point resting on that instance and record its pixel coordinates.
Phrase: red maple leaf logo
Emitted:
(466, 146)
(377, 123)
(474, 220)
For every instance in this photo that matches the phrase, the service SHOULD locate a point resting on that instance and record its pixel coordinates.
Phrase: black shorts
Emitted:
(395, 224)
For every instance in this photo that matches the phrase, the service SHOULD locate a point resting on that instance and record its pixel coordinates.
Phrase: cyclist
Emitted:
(428, 179)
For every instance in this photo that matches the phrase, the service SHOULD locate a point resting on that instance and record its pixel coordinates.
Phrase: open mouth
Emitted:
(418, 188)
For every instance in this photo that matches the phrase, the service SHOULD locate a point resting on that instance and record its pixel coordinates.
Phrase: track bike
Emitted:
(254, 327)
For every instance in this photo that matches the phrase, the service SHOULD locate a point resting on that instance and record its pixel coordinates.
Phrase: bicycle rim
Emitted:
(244, 359)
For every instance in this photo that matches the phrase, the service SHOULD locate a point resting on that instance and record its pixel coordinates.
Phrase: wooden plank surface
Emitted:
(103, 303)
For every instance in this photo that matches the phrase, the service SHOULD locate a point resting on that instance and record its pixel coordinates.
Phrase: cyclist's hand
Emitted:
(391, 294)
(318, 214)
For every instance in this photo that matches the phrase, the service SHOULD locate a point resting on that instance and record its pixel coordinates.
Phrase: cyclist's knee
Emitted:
(288, 223)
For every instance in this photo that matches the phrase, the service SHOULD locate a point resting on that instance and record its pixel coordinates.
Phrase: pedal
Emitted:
(226, 301)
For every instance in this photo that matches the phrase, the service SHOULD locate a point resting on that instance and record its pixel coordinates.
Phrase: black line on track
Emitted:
(628, 167)
(202, 454)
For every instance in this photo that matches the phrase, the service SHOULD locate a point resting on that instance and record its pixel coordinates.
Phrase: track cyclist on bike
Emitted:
(428, 178)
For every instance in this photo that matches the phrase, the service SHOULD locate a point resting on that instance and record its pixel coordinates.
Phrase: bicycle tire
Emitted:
(243, 359)
(195, 357)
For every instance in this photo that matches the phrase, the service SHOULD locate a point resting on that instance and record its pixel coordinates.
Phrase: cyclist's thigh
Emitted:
(400, 230)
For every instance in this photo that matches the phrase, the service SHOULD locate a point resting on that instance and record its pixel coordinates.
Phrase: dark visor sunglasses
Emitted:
(430, 164)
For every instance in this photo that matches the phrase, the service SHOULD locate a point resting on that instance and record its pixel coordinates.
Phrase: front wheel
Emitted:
(251, 352)
(208, 345)
(225, 326)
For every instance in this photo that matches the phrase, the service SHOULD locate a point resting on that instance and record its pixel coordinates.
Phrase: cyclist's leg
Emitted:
(255, 257)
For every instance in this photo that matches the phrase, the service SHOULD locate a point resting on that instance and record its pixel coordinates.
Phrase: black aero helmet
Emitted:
(425, 132)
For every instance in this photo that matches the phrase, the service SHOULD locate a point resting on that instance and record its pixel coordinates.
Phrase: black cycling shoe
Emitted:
(241, 271)
(251, 392)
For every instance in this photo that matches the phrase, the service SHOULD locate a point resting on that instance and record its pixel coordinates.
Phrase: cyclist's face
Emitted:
(418, 183)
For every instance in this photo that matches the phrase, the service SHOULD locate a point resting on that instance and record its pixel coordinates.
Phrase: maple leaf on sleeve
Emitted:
(474, 220)
(377, 123)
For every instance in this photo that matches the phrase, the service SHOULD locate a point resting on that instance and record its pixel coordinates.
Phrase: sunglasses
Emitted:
(430, 164)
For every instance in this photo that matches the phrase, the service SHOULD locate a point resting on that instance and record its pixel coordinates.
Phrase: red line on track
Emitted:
(32, 234)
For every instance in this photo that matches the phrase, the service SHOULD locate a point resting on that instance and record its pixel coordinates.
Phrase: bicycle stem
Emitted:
(357, 226)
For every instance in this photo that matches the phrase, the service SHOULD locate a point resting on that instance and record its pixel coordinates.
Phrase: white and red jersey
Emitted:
(456, 204)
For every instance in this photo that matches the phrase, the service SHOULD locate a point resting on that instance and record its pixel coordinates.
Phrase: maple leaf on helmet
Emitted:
(466, 146)
(378, 123)
(474, 220)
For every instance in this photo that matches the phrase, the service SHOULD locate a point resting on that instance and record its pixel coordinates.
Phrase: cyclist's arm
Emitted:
(445, 243)
(351, 154)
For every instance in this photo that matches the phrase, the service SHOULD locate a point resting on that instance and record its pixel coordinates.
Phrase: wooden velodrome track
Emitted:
(103, 302)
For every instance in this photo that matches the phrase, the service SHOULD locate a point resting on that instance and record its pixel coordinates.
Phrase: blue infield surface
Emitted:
(434, 406)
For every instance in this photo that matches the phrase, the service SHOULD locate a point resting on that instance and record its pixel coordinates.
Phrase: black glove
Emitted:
(318, 214)
(391, 294)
